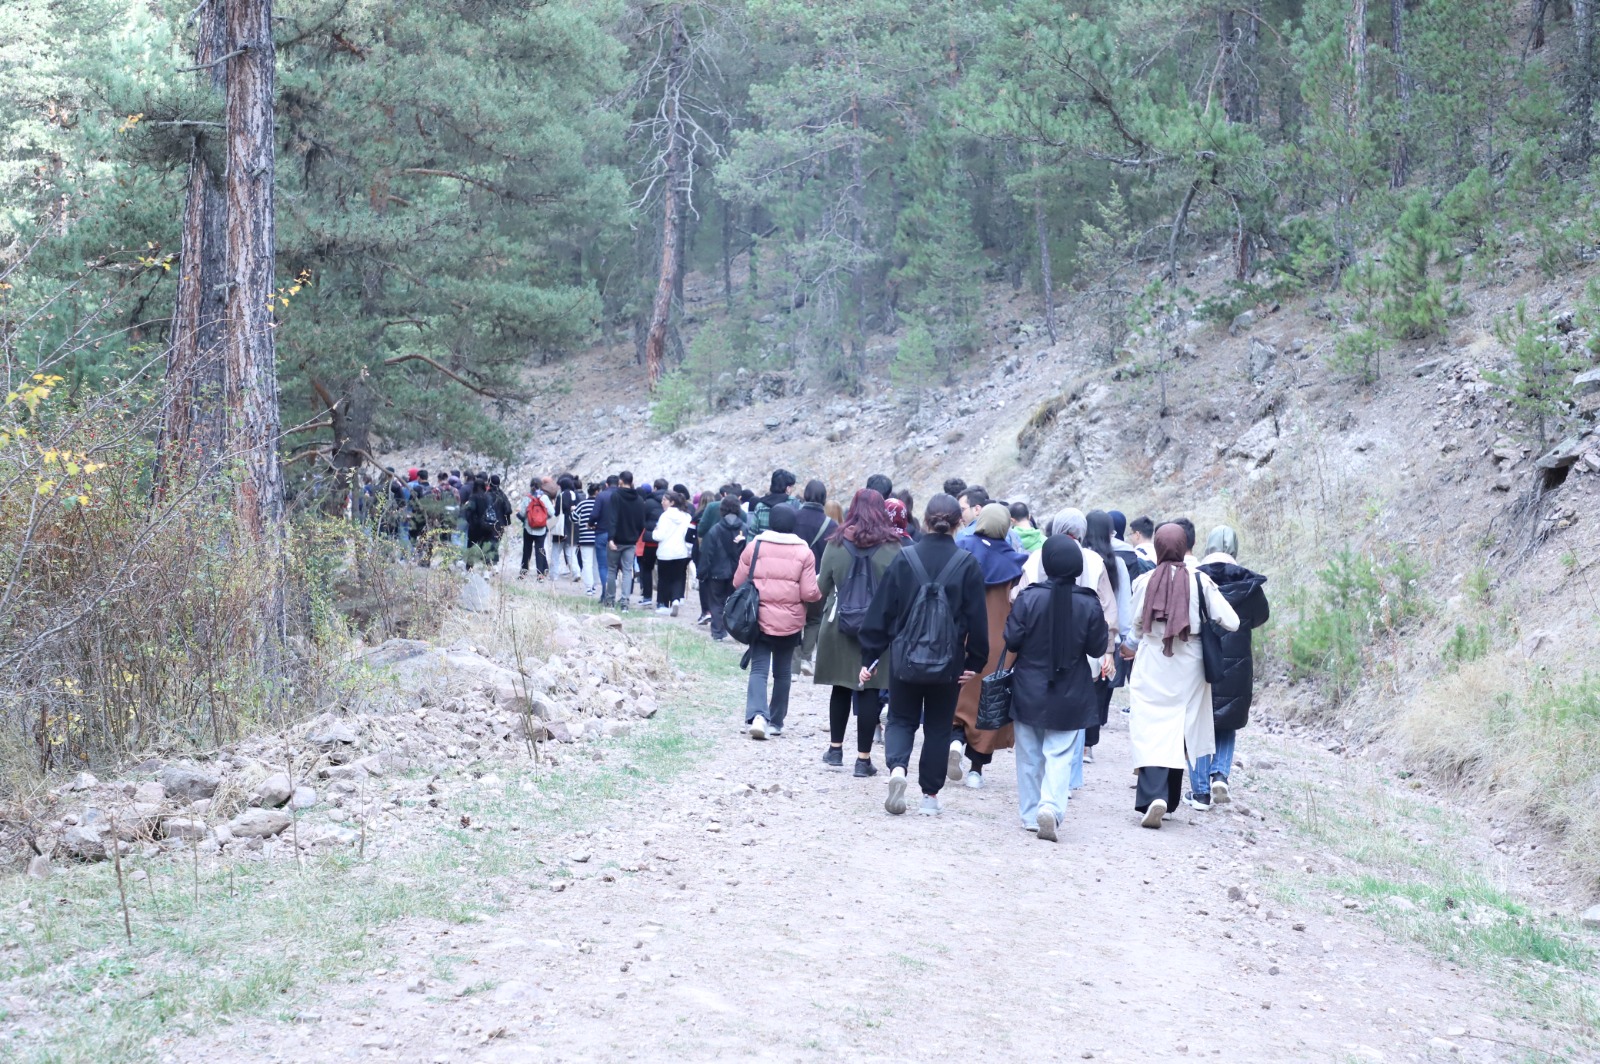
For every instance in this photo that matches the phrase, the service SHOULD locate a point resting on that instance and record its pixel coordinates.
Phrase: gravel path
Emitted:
(765, 907)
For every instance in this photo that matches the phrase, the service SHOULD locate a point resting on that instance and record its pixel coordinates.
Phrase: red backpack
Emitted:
(538, 516)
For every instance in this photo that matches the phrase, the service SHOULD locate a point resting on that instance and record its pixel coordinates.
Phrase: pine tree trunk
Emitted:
(1356, 55)
(727, 253)
(1400, 165)
(858, 210)
(655, 343)
(191, 441)
(1583, 20)
(1042, 234)
(250, 379)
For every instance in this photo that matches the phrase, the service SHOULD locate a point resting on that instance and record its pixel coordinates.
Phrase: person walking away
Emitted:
(1097, 538)
(1001, 566)
(1055, 629)
(1141, 534)
(778, 495)
(785, 574)
(900, 517)
(602, 531)
(653, 505)
(672, 552)
(504, 514)
(560, 560)
(625, 513)
(702, 503)
(1169, 719)
(854, 562)
(812, 524)
(583, 534)
(481, 523)
(912, 528)
(721, 548)
(1231, 694)
(928, 617)
(535, 527)
(1029, 537)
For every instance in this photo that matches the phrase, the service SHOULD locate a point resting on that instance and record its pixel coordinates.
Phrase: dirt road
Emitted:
(764, 907)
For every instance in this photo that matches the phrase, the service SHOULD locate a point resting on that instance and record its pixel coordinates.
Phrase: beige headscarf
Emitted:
(994, 521)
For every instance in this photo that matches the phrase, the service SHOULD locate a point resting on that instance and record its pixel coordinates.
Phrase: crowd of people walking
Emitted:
(976, 626)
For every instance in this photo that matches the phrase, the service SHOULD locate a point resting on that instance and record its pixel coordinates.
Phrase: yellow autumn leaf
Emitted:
(46, 487)
(83, 500)
(72, 469)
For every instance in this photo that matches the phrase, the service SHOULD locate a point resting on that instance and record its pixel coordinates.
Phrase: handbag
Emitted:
(1210, 638)
(741, 615)
(994, 698)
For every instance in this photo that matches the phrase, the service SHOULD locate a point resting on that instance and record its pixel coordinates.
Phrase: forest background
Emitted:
(435, 196)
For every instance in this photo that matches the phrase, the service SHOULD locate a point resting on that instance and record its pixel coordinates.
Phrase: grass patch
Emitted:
(260, 937)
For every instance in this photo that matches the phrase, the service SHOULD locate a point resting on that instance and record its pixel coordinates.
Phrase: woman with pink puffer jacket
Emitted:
(786, 576)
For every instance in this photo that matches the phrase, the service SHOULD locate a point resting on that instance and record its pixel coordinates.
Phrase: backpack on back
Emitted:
(741, 614)
(854, 597)
(1136, 565)
(538, 516)
(928, 647)
(761, 517)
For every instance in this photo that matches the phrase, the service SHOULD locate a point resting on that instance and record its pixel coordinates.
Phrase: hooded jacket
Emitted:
(812, 524)
(652, 514)
(786, 576)
(719, 548)
(1231, 695)
(624, 517)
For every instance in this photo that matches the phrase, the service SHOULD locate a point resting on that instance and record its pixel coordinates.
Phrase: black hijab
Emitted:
(1063, 564)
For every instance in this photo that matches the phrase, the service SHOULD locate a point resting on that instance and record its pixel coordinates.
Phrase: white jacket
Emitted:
(671, 530)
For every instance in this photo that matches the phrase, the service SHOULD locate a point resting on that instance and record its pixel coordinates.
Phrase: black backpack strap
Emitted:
(917, 568)
(950, 566)
(755, 556)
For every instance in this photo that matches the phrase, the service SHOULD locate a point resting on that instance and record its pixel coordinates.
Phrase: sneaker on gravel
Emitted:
(1219, 792)
(705, 618)
(896, 801)
(1088, 755)
(673, 609)
(1153, 815)
(953, 766)
(834, 756)
(1047, 825)
(930, 805)
(865, 768)
(662, 611)
(1201, 802)
(758, 727)
(975, 780)
(774, 730)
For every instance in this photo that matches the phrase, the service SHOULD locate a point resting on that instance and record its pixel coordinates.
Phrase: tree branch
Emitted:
(398, 359)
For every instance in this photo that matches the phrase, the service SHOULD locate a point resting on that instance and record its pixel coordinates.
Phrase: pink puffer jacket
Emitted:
(786, 578)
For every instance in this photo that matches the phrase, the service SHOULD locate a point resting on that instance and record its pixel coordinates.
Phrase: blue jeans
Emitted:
(1044, 770)
(777, 662)
(1077, 760)
(1216, 766)
(600, 541)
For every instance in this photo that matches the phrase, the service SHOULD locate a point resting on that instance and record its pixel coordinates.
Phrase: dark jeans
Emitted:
(534, 545)
(867, 705)
(601, 542)
(719, 592)
(935, 705)
(670, 577)
(775, 658)
(1159, 783)
(647, 569)
(1102, 691)
(705, 592)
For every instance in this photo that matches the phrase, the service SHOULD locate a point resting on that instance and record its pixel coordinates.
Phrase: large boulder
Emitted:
(189, 781)
(275, 790)
(259, 823)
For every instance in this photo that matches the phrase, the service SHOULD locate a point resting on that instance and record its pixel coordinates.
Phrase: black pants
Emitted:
(647, 570)
(534, 545)
(1102, 691)
(705, 590)
(958, 734)
(867, 705)
(720, 590)
(670, 576)
(1156, 783)
(935, 705)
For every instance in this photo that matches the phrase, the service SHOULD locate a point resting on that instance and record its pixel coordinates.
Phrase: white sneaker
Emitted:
(975, 780)
(673, 609)
(662, 611)
(953, 767)
(1152, 816)
(774, 730)
(1088, 755)
(1219, 792)
(758, 727)
(929, 806)
(896, 801)
(1047, 825)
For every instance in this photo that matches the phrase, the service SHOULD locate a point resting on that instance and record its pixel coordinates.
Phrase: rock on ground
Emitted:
(259, 823)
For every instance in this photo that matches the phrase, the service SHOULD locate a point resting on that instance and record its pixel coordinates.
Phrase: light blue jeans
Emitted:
(1044, 770)
(1077, 761)
(1218, 766)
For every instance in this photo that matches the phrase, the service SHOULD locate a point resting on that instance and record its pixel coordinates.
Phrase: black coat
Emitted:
(814, 526)
(624, 518)
(1039, 698)
(720, 549)
(899, 586)
(652, 514)
(1230, 696)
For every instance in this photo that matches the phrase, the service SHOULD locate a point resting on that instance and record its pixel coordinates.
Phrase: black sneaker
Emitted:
(865, 768)
(1199, 801)
(834, 756)
(705, 618)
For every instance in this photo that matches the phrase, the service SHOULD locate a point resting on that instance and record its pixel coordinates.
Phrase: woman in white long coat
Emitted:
(1169, 718)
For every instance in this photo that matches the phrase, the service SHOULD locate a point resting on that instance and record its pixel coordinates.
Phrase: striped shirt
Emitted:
(582, 513)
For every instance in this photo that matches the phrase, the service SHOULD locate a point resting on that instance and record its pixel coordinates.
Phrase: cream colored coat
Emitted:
(1169, 715)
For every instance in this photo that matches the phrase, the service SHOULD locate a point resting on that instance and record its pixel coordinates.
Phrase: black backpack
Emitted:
(854, 597)
(741, 614)
(928, 648)
(1136, 565)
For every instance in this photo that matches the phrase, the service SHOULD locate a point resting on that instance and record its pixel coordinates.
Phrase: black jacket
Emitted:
(813, 525)
(720, 549)
(477, 512)
(900, 585)
(624, 517)
(1039, 698)
(652, 514)
(502, 509)
(1230, 696)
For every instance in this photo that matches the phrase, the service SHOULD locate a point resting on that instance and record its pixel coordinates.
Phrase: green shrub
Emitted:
(1539, 380)
(1467, 644)
(916, 362)
(675, 401)
(1361, 598)
(1416, 301)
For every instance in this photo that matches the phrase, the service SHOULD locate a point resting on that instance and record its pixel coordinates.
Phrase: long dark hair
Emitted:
(867, 525)
(1098, 539)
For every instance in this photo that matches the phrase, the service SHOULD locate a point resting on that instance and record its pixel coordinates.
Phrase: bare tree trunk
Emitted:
(191, 440)
(1042, 234)
(1228, 62)
(1583, 21)
(1178, 224)
(250, 378)
(858, 211)
(1536, 28)
(1356, 55)
(1400, 165)
(661, 310)
(727, 253)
